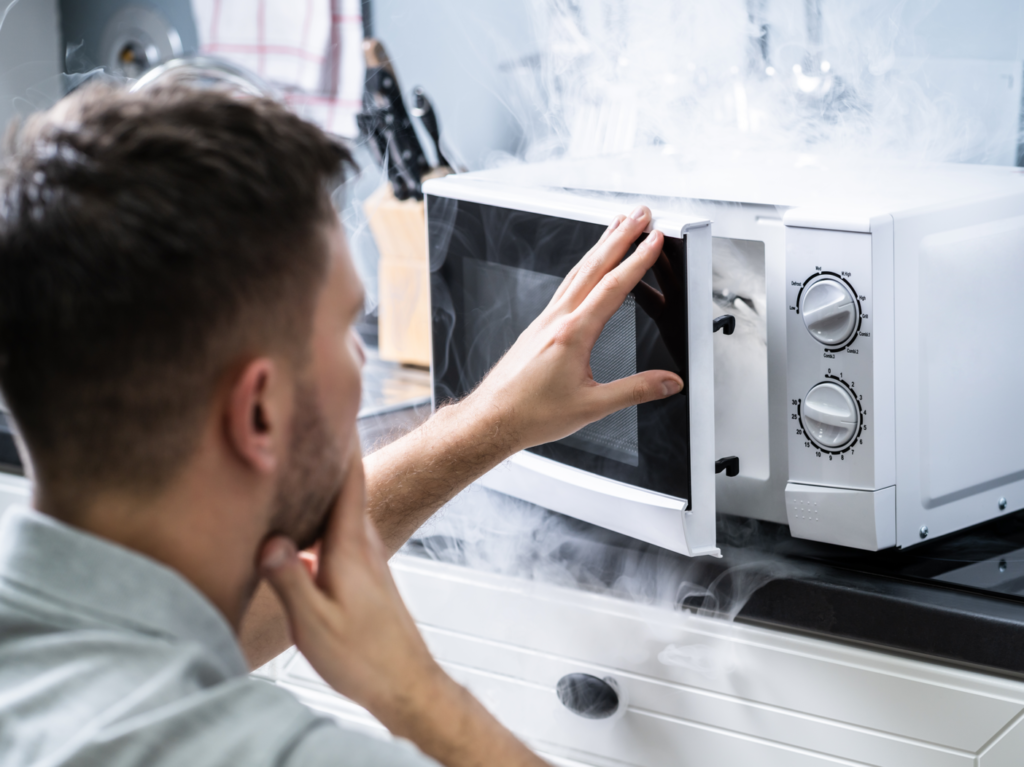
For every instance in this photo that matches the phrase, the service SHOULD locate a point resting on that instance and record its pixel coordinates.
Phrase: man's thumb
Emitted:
(637, 389)
(290, 578)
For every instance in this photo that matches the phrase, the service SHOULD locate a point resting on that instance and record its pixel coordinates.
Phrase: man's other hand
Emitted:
(345, 613)
(543, 389)
(347, 618)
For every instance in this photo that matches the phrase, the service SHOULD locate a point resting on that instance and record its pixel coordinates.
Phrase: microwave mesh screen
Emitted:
(614, 357)
(500, 301)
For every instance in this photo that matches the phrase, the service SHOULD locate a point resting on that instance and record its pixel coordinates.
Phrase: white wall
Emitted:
(30, 57)
(963, 59)
(971, 29)
(465, 54)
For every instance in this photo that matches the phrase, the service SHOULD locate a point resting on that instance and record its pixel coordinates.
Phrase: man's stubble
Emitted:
(313, 477)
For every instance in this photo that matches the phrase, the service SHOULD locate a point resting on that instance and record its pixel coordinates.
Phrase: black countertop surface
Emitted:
(956, 599)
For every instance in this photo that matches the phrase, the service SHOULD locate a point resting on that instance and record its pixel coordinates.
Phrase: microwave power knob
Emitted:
(830, 415)
(829, 310)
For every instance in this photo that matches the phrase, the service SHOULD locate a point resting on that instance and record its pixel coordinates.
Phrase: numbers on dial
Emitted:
(836, 425)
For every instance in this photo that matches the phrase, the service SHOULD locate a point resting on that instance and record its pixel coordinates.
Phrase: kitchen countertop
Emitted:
(879, 599)
(958, 599)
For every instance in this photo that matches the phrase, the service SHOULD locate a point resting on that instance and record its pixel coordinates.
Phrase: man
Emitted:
(176, 302)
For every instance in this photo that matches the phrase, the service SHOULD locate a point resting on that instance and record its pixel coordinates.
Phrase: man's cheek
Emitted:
(348, 438)
(357, 348)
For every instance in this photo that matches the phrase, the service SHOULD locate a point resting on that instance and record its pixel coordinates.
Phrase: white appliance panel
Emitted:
(957, 269)
(831, 385)
(970, 386)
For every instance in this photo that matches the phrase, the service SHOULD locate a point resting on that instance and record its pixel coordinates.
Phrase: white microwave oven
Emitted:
(871, 394)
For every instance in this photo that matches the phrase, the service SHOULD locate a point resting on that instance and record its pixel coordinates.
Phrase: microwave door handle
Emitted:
(730, 465)
(726, 323)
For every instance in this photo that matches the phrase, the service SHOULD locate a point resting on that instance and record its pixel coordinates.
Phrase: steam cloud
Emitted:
(819, 76)
(485, 530)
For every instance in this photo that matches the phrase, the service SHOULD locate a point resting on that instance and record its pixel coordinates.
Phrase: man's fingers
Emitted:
(572, 272)
(291, 579)
(611, 228)
(352, 501)
(637, 389)
(346, 522)
(310, 561)
(606, 298)
(344, 540)
(605, 257)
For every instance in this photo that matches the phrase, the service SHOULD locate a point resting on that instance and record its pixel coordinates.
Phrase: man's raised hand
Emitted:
(543, 388)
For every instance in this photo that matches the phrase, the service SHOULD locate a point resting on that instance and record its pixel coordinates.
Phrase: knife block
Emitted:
(400, 231)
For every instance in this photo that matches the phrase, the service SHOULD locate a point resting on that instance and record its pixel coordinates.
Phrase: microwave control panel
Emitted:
(831, 361)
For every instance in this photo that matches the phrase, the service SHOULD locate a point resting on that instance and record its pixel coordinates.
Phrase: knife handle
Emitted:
(423, 109)
(375, 55)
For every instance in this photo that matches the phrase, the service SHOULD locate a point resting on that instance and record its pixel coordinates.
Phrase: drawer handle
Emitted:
(588, 696)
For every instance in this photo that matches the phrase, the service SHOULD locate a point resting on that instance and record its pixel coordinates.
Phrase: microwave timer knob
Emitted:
(830, 416)
(830, 311)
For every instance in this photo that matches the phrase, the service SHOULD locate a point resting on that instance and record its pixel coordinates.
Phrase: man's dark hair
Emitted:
(149, 242)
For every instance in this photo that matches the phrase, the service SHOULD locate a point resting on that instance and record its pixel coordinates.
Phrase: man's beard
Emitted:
(312, 479)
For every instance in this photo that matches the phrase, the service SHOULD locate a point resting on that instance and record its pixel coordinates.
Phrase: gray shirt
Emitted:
(109, 658)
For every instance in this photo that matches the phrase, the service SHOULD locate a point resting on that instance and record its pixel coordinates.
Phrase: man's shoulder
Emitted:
(72, 684)
(85, 653)
(96, 697)
(93, 696)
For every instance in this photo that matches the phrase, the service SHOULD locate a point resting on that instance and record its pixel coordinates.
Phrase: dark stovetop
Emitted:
(958, 599)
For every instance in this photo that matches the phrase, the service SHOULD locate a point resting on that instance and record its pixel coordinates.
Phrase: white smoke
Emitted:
(349, 201)
(485, 530)
(821, 76)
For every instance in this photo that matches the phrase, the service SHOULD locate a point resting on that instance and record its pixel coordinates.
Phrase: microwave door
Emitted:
(496, 260)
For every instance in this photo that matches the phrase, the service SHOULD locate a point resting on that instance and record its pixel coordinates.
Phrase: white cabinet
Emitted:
(696, 690)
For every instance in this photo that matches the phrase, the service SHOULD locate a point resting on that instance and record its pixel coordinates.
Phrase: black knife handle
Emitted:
(423, 109)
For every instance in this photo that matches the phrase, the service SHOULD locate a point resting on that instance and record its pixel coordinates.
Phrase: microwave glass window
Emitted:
(501, 301)
(494, 270)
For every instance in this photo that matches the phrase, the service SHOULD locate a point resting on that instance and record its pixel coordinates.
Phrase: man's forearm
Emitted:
(414, 476)
(452, 727)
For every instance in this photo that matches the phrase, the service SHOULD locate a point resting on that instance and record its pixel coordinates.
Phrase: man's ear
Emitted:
(255, 414)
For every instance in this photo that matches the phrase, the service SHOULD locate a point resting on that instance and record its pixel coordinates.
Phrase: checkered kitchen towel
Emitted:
(311, 50)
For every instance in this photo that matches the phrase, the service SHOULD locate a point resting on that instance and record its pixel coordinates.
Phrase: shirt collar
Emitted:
(84, 573)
